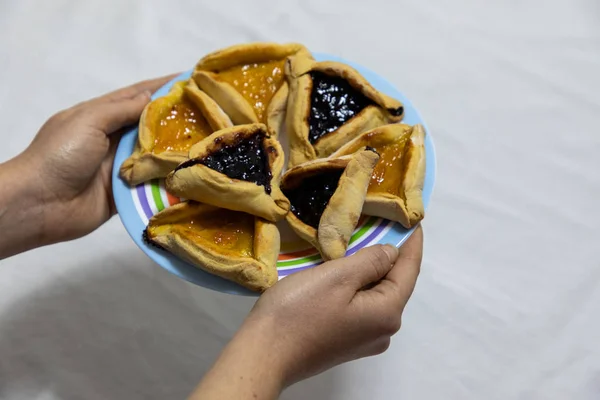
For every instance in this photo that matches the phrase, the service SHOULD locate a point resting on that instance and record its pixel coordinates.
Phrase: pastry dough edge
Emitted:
(256, 274)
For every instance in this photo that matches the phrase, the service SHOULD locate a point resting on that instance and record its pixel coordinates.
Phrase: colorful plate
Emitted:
(137, 205)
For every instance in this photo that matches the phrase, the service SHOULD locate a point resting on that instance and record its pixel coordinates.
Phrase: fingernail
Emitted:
(391, 251)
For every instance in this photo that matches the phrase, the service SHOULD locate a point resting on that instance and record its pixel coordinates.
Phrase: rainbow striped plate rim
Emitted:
(137, 205)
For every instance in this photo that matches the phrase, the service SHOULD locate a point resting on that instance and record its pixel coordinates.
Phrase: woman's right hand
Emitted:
(341, 311)
(316, 319)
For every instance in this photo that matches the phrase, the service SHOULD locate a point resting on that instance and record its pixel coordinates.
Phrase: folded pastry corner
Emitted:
(326, 197)
(233, 245)
(329, 104)
(396, 188)
(248, 81)
(237, 168)
(168, 127)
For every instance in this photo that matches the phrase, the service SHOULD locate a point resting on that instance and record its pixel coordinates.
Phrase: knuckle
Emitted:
(395, 326)
(381, 346)
(58, 117)
(380, 256)
(391, 324)
(63, 117)
(378, 259)
(54, 122)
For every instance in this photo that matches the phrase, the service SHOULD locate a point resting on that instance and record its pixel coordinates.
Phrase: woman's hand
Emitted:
(313, 320)
(61, 184)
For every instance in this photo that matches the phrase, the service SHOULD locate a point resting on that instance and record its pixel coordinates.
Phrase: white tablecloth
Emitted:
(508, 300)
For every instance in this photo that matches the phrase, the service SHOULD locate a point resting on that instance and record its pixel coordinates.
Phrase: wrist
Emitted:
(258, 336)
(21, 208)
(249, 367)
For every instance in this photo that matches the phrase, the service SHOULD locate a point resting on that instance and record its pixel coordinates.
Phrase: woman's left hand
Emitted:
(65, 173)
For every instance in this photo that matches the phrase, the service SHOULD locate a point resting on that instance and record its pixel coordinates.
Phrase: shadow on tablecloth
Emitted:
(121, 334)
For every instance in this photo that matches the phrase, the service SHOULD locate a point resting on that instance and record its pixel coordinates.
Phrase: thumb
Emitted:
(405, 272)
(111, 116)
(367, 266)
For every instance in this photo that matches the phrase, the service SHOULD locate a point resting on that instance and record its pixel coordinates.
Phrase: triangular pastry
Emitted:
(237, 168)
(248, 81)
(396, 188)
(233, 245)
(326, 198)
(168, 128)
(329, 104)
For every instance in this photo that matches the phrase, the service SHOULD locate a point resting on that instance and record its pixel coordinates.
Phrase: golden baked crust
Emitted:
(341, 212)
(195, 180)
(232, 245)
(377, 108)
(248, 82)
(152, 158)
(396, 188)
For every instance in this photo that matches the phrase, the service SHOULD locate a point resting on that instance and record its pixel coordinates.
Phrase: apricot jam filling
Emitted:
(257, 83)
(179, 127)
(221, 229)
(387, 175)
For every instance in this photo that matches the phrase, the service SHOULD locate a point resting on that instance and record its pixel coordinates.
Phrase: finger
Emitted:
(367, 266)
(112, 116)
(402, 278)
(151, 85)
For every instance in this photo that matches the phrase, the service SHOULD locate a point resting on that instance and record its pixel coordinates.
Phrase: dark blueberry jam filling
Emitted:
(332, 102)
(309, 199)
(246, 160)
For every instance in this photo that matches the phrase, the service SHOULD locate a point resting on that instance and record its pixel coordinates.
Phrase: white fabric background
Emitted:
(507, 303)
